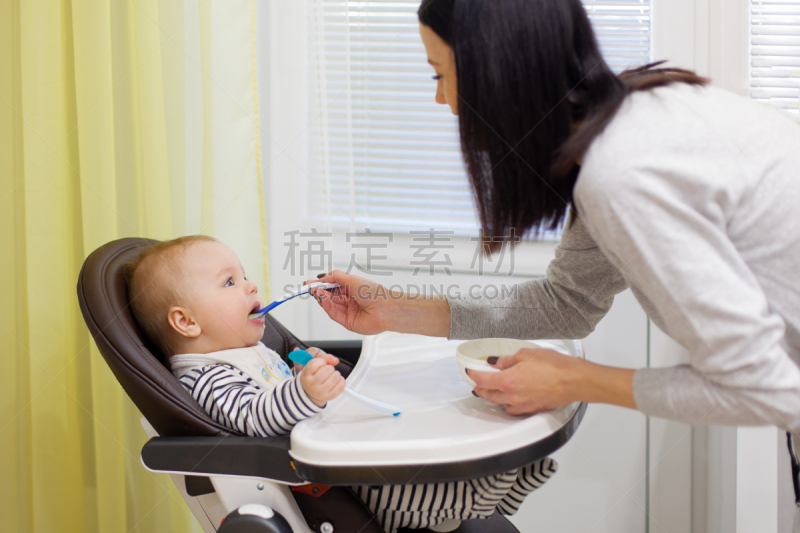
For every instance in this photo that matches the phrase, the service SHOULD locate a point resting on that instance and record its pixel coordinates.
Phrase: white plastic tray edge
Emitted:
(333, 448)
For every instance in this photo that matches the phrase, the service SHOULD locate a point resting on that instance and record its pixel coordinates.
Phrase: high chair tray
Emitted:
(444, 433)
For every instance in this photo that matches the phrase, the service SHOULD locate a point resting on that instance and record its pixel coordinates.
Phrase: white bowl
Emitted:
(472, 354)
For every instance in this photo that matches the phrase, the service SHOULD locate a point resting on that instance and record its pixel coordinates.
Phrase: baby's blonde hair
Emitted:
(153, 278)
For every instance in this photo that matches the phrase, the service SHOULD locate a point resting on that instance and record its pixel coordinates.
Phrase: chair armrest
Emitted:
(349, 350)
(228, 455)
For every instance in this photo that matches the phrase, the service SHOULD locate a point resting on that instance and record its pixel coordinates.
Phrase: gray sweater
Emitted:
(689, 197)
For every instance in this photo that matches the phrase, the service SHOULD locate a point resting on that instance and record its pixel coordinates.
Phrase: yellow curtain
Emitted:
(117, 118)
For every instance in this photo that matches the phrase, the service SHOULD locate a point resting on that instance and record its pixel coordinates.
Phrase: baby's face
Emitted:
(219, 297)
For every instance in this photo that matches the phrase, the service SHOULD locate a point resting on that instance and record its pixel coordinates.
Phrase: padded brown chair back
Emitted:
(103, 298)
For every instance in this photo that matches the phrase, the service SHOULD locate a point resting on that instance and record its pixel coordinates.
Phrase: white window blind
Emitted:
(775, 53)
(386, 156)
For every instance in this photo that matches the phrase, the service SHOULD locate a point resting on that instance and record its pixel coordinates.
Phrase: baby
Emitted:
(191, 297)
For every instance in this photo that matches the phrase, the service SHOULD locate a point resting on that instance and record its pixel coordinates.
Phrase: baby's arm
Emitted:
(232, 399)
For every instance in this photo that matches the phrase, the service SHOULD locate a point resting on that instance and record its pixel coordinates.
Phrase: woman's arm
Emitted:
(424, 316)
(577, 292)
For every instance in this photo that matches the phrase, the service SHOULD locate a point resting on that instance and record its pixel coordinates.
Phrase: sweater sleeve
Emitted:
(233, 400)
(665, 229)
(568, 303)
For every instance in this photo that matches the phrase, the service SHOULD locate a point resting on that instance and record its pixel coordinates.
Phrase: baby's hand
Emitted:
(315, 352)
(320, 380)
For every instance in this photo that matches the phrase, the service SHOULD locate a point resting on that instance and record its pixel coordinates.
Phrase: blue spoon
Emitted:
(302, 357)
(264, 310)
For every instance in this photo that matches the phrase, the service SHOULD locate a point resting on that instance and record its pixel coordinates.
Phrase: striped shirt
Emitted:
(234, 400)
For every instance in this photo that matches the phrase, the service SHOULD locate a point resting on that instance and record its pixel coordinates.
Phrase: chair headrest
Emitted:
(103, 298)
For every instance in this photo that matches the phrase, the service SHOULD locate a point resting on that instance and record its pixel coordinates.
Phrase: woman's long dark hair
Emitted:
(533, 93)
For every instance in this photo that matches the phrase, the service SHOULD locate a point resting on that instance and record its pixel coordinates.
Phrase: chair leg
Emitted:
(235, 492)
(340, 509)
(202, 507)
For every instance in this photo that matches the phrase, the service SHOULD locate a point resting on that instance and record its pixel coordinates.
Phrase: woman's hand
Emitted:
(321, 381)
(358, 304)
(534, 380)
(531, 380)
(366, 307)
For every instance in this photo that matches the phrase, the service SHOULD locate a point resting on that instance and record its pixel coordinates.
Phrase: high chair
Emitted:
(298, 483)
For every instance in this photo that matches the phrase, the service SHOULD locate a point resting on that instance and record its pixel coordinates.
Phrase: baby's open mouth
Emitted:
(256, 307)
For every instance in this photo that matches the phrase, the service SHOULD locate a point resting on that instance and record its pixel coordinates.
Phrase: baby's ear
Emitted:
(182, 322)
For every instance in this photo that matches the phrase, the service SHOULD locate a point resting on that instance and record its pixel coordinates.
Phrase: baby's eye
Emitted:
(436, 77)
(229, 283)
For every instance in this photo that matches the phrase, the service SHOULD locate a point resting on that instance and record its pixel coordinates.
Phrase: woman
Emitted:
(681, 191)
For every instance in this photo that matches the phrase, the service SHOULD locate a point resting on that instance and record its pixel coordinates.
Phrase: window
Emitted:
(388, 155)
(775, 53)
